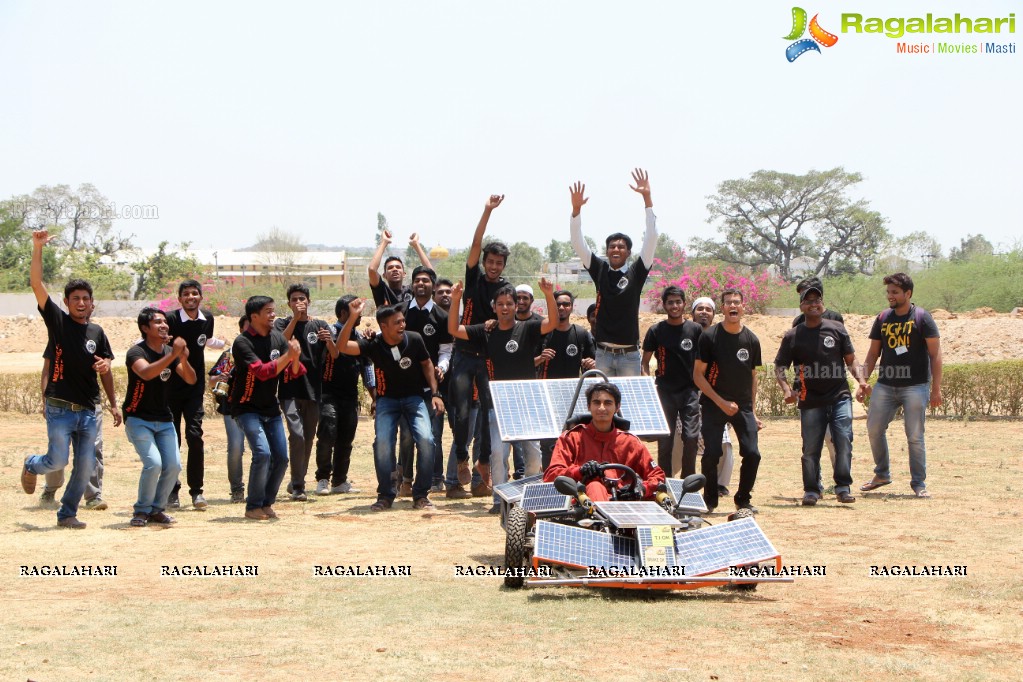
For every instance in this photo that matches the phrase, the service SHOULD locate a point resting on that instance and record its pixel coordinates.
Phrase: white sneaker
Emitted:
(345, 487)
(323, 487)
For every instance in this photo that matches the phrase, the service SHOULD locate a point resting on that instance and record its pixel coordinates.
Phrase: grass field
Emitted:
(436, 626)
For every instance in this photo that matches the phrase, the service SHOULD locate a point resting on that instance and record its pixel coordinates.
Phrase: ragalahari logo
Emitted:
(817, 35)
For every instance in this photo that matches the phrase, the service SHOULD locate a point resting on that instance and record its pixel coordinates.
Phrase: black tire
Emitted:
(515, 550)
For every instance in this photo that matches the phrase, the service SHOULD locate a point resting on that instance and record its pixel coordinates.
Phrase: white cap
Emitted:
(706, 300)
(524, 288)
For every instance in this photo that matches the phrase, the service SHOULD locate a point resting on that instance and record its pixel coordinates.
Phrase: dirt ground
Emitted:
(436, 626)
(978, 336)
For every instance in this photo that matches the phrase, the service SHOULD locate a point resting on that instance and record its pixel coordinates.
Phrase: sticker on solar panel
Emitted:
(713, 549)
(579, 547)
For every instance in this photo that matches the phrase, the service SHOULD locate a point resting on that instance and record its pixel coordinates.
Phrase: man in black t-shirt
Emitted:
(339, 407)
(509, 347)
(261, 355)
(726, 372)
(391, 289)
(195, 326)
(300, 396)
(222, 373)
(619, 284)
(405, 380)
(674, 341)
(907, 341)
(818, 348)
(147, 416)
(81, 351)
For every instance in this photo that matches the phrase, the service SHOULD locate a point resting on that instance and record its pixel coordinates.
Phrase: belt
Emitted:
(74, 407)
(470, 352)
(617, 350)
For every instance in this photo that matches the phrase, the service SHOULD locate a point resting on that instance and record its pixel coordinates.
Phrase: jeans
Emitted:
(68, 429)
(269, 457)
(499, 456)
(157, 445)
(389, 412)
(813, 422)
(619, 364)
(301, 416)
(94, 488)
(339, 418)
(884, 400)
(188, 404)
(405, 449)
(680, 406)
(235, 450)
(451, 474)
(745, 426)
(465, 369)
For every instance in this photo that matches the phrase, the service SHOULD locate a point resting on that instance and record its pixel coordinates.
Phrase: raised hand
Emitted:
(546, 286)
(494, 201)
(578, 200)
(386, 238)
(356, 307)
(456, 290)
(642, 180)
(42, 237)
(413, 239)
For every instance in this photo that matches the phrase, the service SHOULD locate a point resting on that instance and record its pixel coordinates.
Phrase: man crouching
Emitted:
(582, 449)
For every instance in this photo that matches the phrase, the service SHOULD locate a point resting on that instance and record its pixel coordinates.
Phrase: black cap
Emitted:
(806, 292)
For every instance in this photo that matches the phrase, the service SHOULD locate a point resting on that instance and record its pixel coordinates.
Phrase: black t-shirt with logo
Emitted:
(818, 354)
(618, 293)
(307, 386)
(147, 399)
(731, 359)
(383, 294)
(477, 297)
(827, 315)
(250, 394)
(340, 377)
(195, 333)
(675, 346)
(570, 347)
(509, 351)
(72, 377)
(431, 324)
(398, 369)
(904, 357)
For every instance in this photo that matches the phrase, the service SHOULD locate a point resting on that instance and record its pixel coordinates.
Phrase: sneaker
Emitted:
(139, 520)
(423, 504)
(482, 490)
(457, 492)
(256, 515)
(748, 506)
(28, 479)
(496, 509)
(96, 504)
(323, 487)
(237, 496)
(345, 487)
(270, 513)
(162, 519)
(809, 499)
(299, 496)
(199, 502)
(71, 522)
(173, 502)
(464, 473)
(437, 487)
(406, 489)
(48, 498)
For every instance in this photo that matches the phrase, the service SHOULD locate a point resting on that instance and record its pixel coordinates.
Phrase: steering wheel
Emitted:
(626, 492)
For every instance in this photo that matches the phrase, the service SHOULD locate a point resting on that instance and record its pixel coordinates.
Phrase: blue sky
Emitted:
(232, 118)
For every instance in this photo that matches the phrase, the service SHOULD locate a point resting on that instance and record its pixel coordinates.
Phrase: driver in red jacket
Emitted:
(582, 449)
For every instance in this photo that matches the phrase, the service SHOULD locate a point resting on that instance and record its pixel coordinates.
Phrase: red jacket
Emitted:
(582, 443)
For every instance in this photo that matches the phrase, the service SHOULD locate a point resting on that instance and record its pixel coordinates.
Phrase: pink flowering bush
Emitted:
(710, 280)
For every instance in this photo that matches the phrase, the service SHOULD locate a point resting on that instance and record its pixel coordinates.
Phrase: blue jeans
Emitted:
(235, 450)
(68, 429)
(451, 474)
(269, 449)
(415, 412)
(884, 400)
(405, 445)
(813, 423)
(499, 456)
(466, 368)
(618, 364)
(157, 445)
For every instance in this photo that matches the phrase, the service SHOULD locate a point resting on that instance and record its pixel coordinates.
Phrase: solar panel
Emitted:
(656, 546)
(635, 514)
(562, 544)
(715, 548)
(686, 501)
(511, 491)
(544, 497)
(534, 409)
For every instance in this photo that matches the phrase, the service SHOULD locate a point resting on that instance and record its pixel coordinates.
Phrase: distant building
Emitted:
(320, 269)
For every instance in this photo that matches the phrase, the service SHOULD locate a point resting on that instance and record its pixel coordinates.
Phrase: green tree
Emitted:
(524, 264)
(82, 214)
(381, 227)
(107, 281)
(971, 247)
(918, 247)
(16, 249)
(772, 218)
(559, 251)
(666, 247)
(164, 267)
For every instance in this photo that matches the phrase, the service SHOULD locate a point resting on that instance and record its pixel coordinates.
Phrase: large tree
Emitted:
(165, 266)
(83, 216)
(773, 218)
(970, 247)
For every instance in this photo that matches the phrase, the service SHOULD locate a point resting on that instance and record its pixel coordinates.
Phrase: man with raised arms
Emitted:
(391, 289)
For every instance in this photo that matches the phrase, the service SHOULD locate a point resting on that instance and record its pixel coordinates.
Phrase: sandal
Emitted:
(380, 505)
(874, 484)
(922, 492)
(139, 520)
